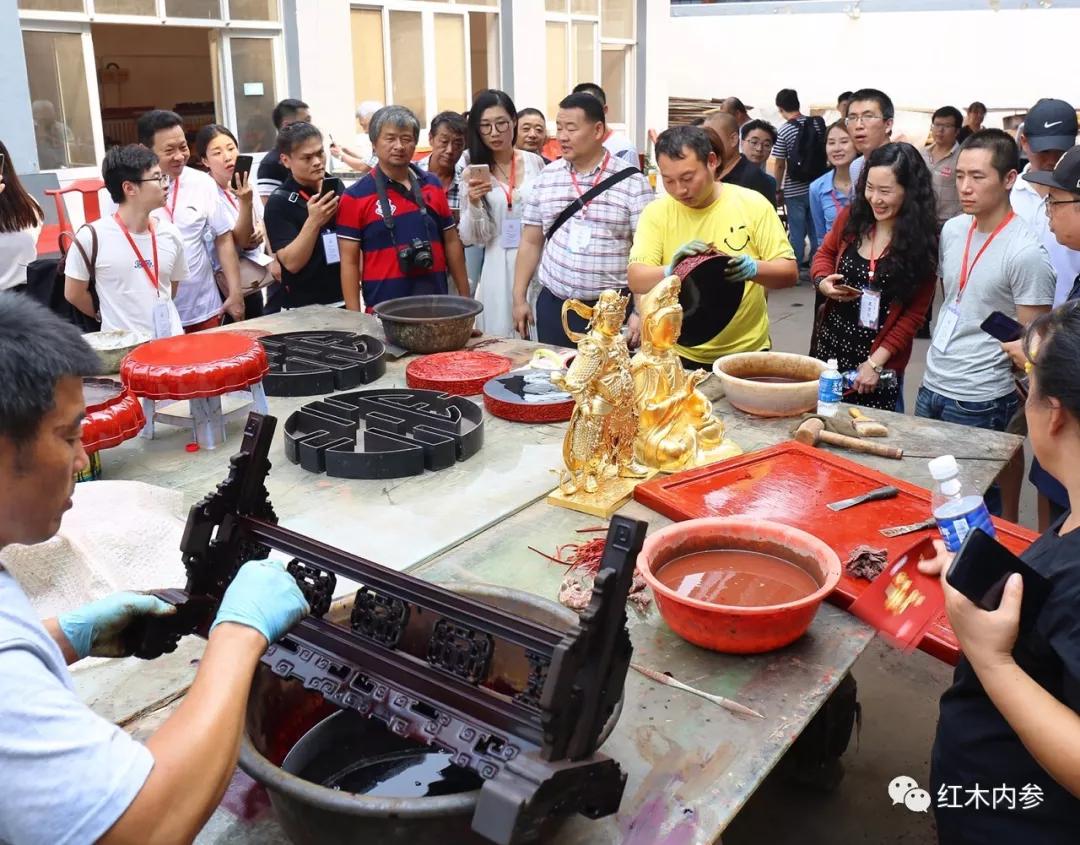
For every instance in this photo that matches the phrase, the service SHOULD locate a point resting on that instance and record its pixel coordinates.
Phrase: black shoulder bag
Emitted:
(592, 193)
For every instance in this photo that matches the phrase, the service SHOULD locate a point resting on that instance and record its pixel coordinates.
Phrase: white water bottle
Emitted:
(830, 390)
(958, 511)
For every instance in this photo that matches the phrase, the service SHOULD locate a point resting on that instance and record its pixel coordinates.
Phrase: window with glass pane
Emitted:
(407, 62)
(613, 81)
(484, 44)
(585, 7)
(125, 7)
(555, 5)
(494, 3)
(254, 92)
(616, 18)
(369, 74)
(557, 86)
(253, 10)
(52, 5)
(193, 8)
(59, 99)
(450, 83)
(584, 69)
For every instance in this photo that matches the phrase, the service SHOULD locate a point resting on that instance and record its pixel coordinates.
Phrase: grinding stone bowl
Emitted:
(428, 323)
(765, 399)
(280, 712)
(112, 346)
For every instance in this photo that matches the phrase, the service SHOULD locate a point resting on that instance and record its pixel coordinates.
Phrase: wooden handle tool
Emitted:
(866, 427)
(812, 432)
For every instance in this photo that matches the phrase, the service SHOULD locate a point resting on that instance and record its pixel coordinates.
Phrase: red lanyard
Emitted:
(513, 180)
(874, 258)
(171, 209)
(836, 201)
(228, 196)
(152, 276)
(965, 270)
(595, 182)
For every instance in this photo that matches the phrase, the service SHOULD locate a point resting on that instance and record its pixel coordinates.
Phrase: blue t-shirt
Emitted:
(66, 774)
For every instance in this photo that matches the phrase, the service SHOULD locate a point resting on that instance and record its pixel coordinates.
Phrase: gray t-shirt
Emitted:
(1014, 270)
(66, 774)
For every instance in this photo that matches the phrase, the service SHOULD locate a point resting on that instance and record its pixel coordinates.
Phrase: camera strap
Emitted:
(381, 183)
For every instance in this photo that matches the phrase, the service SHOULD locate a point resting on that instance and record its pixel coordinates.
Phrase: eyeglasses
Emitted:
(852, 119)
(1051, 203)
(162, 179)
(759, 145)
(499, 126)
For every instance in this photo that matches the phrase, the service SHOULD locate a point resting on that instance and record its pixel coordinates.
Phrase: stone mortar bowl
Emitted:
(428, 324)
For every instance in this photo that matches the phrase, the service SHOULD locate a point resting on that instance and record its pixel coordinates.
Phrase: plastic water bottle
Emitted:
(886, 381)
(956, 509)
(830, 390)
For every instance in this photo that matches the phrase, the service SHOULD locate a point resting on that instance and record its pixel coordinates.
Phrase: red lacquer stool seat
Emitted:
(113, 414)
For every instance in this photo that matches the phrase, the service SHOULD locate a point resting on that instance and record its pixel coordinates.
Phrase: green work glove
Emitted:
(741, 268)
(96, 629)
(685, 251)
(265, 597)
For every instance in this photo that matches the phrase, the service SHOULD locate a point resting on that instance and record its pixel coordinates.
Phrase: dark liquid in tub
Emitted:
(775, 379)
(736, 577)
(405, 774)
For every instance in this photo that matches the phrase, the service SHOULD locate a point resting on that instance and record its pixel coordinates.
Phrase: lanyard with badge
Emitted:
(162, 317)
(950, 315)
(580, 230)
(511, 228)
(870, 303)
(329, 237)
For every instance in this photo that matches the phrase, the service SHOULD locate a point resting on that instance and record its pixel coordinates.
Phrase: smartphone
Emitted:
(2, 163)
(847, 289)
(1003, 328)
(331, 185)
(243, 165)
(479, 172)
(981, 568)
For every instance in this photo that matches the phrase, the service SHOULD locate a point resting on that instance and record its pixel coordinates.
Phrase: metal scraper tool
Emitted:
(872, 496)
(900, 530)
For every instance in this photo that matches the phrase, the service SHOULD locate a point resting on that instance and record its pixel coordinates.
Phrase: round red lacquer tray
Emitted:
(461, 373)
(505, 397)
(194, 365)
(113, 414)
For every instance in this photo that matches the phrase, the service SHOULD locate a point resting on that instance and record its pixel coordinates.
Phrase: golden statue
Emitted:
(605, 421)
(677, 429)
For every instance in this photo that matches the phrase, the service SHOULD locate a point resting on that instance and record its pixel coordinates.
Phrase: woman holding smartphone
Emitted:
(1012, 715)
(494, 184)
(877, 270)
(217, 150)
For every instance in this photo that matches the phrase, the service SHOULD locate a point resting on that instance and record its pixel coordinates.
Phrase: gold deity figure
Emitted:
(676, 428)
(605, 421)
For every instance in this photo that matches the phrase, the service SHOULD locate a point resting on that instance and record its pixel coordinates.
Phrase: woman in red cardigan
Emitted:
(876, 271)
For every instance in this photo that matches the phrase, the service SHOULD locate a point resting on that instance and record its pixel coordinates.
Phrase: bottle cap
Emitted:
(944, 468)
(832, 364)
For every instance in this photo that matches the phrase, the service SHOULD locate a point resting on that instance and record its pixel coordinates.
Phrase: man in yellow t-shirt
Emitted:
(697, 212)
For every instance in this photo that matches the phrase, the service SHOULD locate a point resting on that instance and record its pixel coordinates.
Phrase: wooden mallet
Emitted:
(813, 431)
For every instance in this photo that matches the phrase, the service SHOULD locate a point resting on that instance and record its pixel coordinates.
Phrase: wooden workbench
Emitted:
(691, 765)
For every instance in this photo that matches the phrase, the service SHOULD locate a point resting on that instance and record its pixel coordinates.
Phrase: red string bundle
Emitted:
(579, 556)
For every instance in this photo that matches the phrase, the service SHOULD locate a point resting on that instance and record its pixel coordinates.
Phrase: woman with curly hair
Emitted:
(877, 269)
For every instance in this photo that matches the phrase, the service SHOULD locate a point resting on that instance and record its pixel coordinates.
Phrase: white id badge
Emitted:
(330, 247)
(511, 233)
(580, 235)
(946, 327)
(162, 318)
(870, 309)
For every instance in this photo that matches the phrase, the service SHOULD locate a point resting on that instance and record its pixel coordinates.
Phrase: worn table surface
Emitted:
(691, 765)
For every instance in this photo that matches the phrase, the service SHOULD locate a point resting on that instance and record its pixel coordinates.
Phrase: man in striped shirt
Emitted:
(794, 194)
(588, 253)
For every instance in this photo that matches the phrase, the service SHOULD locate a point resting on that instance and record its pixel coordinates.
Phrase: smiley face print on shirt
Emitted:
(736, 234)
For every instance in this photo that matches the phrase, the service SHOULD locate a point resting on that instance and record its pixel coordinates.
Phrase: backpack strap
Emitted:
(592, 193)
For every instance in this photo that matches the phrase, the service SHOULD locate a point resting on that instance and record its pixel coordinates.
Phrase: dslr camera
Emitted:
(415, 256)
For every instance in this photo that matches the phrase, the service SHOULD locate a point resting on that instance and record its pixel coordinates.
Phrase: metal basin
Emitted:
(429, 323)
(281, 712)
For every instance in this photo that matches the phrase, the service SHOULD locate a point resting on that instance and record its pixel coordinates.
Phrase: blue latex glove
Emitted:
(265, 597)
(685, 251)
(741, 268)
(95, 629)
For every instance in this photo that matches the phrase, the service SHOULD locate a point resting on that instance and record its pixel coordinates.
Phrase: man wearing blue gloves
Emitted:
(67, 776)
(699, 212)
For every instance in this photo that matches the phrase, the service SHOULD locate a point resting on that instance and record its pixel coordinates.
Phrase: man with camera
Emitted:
(395, 228)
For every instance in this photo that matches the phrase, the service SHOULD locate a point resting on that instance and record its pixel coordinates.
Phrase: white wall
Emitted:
(326, 72)
(922, 60)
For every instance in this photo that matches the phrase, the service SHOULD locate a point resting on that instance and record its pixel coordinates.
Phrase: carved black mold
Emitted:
(310, 363)
(384, 433)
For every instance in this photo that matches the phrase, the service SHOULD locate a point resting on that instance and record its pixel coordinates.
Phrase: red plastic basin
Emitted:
(728, 628)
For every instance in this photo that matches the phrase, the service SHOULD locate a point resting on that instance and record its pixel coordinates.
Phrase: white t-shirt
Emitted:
(17, 249)
(231, 209)
(197, 211)
(621, 147)
(126, 294)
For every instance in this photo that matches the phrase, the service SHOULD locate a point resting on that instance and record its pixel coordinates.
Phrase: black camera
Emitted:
(415, 256)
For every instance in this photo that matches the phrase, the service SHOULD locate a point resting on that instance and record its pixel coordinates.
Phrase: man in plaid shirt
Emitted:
(589, 253)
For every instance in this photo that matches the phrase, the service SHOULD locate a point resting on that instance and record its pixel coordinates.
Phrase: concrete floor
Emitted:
(899, 695)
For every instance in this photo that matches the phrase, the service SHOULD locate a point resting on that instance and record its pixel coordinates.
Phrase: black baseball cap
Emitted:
(1050, 125)
(1065, 176)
